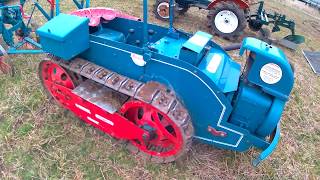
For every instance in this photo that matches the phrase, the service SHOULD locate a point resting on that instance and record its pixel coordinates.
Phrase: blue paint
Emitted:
(194, 48)
(222, 70)
(204, 77)
(268, 151)
(65, 31)
(269, 54)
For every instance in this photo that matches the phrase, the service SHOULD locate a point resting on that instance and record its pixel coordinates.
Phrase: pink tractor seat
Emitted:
(96, 14)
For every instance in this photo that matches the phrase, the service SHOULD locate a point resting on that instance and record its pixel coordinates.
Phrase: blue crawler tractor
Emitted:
(160, 88)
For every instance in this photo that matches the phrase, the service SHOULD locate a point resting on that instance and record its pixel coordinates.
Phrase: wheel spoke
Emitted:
(165, 140)
(147, 114)
(165, 132)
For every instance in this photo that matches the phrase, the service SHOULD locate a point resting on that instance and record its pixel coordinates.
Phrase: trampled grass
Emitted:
(40, 140)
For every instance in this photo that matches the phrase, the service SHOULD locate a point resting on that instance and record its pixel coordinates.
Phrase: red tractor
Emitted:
(227, 18)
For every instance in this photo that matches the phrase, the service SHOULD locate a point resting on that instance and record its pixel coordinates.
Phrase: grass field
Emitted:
(39, 140)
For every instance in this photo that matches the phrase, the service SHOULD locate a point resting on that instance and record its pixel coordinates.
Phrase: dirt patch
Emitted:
(304, 8)
(312, 23)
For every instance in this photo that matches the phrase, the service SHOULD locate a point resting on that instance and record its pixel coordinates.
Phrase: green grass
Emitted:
(39, 140)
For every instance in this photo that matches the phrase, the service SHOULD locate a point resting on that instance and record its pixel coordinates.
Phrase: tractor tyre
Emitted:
(227, 20)
(161, 10)
(255, 25)
(182, 10)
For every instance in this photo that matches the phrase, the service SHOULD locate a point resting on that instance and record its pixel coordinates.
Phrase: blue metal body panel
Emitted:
(73, 33)
(251, 108)
(169, 46)
(246, 108)
(272, 74)
(194, 49)
(269, 54)
(221, 69)
(110, 34)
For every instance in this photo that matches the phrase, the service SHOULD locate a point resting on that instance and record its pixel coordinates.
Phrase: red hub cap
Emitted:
(165, 138)
(51, 73)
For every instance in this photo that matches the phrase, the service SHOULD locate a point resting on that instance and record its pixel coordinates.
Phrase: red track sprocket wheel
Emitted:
(51, 72)
(167, 139)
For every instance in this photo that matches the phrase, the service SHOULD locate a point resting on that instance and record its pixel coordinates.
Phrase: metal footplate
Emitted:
(101, 96)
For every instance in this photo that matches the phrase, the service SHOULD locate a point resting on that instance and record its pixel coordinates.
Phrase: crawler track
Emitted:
(150, 104)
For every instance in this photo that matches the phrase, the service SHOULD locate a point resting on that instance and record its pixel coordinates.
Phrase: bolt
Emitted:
(178, 114)
(130, 86)
(115, 80)
(102, 74)
(163, 100)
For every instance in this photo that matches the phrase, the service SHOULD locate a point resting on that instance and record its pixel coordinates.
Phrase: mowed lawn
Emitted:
(40, 140)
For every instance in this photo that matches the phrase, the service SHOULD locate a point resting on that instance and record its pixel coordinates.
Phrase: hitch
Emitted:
(268, 151)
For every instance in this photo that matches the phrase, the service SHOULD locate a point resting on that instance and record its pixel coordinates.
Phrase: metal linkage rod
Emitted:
(145, 22)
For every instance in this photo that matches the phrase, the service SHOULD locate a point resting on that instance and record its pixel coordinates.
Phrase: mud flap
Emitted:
(268, 151)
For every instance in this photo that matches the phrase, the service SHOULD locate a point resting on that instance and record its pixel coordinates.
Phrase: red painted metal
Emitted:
(95, 15)
(24, 15)
(60, 85)
(217, 133)
(168, 136)
(52, 3)
(243, 4)
(4, 67)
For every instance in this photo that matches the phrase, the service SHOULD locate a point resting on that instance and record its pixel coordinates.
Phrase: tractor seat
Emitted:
(111, 34)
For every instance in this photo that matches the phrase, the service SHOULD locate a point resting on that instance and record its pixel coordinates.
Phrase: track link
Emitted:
(153, 93)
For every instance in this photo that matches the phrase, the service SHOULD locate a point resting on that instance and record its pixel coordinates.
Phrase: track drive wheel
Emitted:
(169, 136)
(227, 20)
(50, 72)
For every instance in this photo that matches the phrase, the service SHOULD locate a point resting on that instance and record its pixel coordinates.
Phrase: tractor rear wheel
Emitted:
(227, 20)
(255, 25)
(162, 10)
(182, 10)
